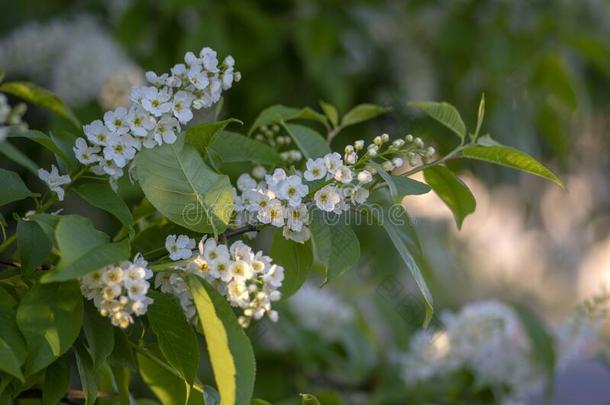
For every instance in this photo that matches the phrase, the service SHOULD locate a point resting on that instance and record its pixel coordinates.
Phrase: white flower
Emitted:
(120, 149)
(54, 180)
(209, 59)
(213, 252)
(255, 200)
(198, 77)
(275, 276)
(272, 213)
(297, 236)
(333, 162)
(316, 169)
(296, 217)
(240, 270)
(259, 172)
(292, 190)
(180, 247)
(245, 182)
(365, 177)
(359, 195)
(343, 174)
(157, 101)
(116, 121)
(327, 198)
(96, 132)
(152, 78)
(238, 293)
(140, 122)
(137, 289)
(182, 106)
(84, 153)
(112, 276)
(165, 130)
(274, 180)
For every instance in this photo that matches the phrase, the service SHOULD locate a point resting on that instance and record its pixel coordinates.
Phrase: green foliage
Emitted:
(401, 186)
(361, 113)
(13, 188)
(41, 97)
(335, 245)
(202, 136)
(14, 154)
(296, 259)
(182, 187)
(86, 372)
(33, 243)
(99, 335)
(50, 317)
(510, 157)
(12, 346)
(444, 113)
(279, 113)
(308, 399)
(311, 143)
(229, 349)
(452, 191)
(175, 336)
(230, 147)
(56, 381)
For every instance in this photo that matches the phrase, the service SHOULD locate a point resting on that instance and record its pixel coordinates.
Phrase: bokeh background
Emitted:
(544, 67)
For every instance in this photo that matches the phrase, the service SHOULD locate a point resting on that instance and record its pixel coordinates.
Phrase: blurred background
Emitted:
(544, 67)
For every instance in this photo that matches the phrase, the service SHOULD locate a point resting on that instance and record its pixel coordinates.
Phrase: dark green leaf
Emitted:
(175, 336)
(311, 143)
(56, 381)
(12, 345)
(65, 142)
(34, 244)
(331, 113)
(444, 113)
(452, 191)
(49, 317)
(41, 97)
(232, 147)
(363, 112)
(229, 348)
(296, 258)
(41, 139)
(401, 185)
(100, 195)
(280, 113)
(99, 334)
(122, 353)
(335, 245)
(182, 187)
(202, 136)
(509, 157)
(13, 188)
(14, 154)
(397, 224)
(86, 372)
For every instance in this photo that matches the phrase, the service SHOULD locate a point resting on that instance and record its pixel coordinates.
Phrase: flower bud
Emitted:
(419, 143)
(385, 138)
(387, 166)
(409, 138)
(430, 151)
(365, 177)
(397, 162)
(359, 144)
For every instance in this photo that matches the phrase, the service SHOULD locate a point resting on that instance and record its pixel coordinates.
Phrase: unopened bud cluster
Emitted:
(270, 135)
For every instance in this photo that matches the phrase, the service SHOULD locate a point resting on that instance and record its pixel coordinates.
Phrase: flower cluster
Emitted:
(10, 117)
(73, 57)
(247, 279)
(485, 337)
(157, 112)
(54, 180)
(270, 135)
(119, 292)
(284, 200)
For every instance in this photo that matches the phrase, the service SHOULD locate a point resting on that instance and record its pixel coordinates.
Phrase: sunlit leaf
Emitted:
(280, 113)
(454, 193)
(363, 112)
(444, 113)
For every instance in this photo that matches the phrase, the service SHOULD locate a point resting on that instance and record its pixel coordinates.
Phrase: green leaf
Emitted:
(41, 139)
(397, 224)
(542, 342)
(258, 401)
(233, 147)
(480, 116)
(280, 113)
(49, 317)
(86, 372)
(56, 381)
(509, 157)
(308, 399)
(101, 196)
(331, 113)
(34, 244)
(201, 136)
(14, 154)
(13, 188)
(122, 354)
(444, 113)
(335, 245)
(182, 187)
(175, 336)
(65, 142)
(122, 377)
(41, 97)
(454, 193)
(310, 142)
(99, 334)
(168, 387)
(12, 345)
(363, 112)
(229, 348)
(401, 185)
(296, 258)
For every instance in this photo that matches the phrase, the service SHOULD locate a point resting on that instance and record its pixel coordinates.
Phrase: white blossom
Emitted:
(179, 247)
(84, 153)
(327, 198)
(54, 180)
